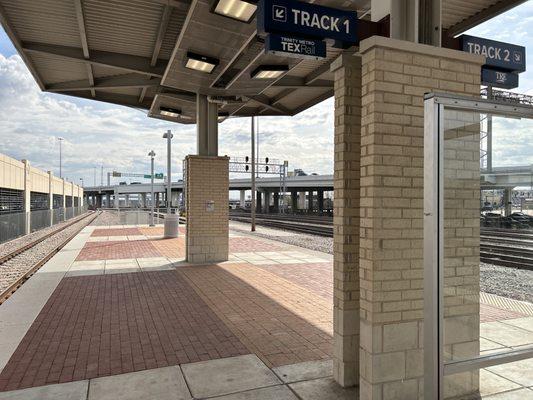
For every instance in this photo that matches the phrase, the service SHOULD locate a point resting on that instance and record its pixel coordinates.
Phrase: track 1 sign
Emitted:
(307, 20)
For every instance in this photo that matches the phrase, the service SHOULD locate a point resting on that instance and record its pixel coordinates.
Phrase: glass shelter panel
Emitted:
(478, 249)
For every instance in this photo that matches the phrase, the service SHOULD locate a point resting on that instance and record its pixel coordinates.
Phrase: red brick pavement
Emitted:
(246, 245)
(280, 322)
(173, 248)
(111, 324)
(117, 232)
(490, 313)
(113, 250)
(315, 277)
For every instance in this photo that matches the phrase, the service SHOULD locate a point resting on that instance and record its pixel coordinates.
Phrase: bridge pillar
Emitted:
(266, 205)
(301, 201)
(126, 200)
(156, 201)
(276, 202)
(207, 185)
(174, 199)
(507, 201)
(320, 201)
(143, 200)
(310, 207)
(108, 200)
(294, 202)
(258, 200)
(242, 202)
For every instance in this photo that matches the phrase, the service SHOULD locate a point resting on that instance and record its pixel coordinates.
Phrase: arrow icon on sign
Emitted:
(280, 13)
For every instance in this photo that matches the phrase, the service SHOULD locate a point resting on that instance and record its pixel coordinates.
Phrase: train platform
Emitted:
(119, 314)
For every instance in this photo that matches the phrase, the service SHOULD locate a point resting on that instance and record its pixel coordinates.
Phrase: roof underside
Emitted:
(132, 53)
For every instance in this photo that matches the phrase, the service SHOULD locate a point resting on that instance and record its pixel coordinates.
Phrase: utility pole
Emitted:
(257, 154)
(253, 205)
(152, 155)
(95, 175)
(168, 135)
(60, 156)
(102, 176)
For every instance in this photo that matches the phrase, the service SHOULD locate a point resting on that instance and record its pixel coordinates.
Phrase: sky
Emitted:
(119, 138)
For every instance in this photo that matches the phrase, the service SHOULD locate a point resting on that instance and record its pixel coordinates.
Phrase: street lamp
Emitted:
(152, 155)
(171, 221)
(60, 172)
(81, 179)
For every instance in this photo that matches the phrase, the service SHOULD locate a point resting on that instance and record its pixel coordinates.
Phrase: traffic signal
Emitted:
(266, 160)
(247, 167)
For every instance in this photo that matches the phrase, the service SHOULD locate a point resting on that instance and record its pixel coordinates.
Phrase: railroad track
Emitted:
(498, 246)
(17, 266)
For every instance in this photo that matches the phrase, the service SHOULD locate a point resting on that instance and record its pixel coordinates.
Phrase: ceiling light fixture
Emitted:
(269, 71)
(241, 10)
(169, 112)
(200, 63)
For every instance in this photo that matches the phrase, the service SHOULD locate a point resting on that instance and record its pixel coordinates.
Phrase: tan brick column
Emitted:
(347, 70)
(395, 76)
(207, 197)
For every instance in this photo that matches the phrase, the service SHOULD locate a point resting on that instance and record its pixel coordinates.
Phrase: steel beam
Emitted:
(482, 16)
(293, 82)
(126, 81)
(165, 19)
(113, 98)
(84, 44)
(264, 100)
(126, 62)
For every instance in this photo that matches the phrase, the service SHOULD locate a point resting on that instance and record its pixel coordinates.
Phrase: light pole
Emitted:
(252, 209)
(152, 155)
(81, 179)
(168, 135)
(60, 167)
(171, 220)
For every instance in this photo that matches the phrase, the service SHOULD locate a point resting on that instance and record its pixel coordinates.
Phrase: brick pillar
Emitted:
(207, 209)
(396, 74)
(347, 70)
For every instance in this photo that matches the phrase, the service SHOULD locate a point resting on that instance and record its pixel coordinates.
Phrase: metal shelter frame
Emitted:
(435, 368)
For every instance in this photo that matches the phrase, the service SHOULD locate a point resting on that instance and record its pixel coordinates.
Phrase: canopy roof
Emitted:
(133, 53)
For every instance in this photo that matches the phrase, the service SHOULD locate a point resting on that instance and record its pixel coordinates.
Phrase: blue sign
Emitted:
(307, 20)
(498, 54)
(295, 47)
(501, 79)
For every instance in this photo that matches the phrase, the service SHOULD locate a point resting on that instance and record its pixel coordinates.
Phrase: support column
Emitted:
(320, 201)
(143, 200)
(258, 200)
(27, 196)
(294, 202)
(242, 202)
(51, 197)
(276, 202)
(156, 203)
(108, 200)
(347, 142)
(126, 200)
(507, 201)
(310, 207)
(301, 201)
(206, 126)
(207, 183)
(174, 198)
(396, 74)
(266, 205)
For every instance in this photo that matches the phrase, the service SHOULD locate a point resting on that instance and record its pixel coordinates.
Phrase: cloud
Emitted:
(120, 137)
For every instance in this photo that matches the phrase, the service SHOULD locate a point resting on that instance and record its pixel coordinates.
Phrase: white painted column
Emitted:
(243, 199)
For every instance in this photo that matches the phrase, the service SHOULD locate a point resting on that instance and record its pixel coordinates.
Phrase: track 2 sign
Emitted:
(307, 20)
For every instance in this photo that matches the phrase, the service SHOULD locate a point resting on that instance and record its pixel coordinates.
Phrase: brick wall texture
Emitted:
(347, 140)
(207, 185)
(395, 76)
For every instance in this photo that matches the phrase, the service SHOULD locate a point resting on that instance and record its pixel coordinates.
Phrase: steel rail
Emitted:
(4, 295)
